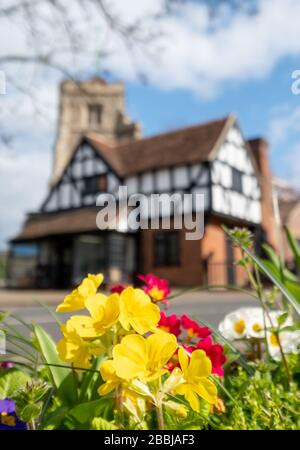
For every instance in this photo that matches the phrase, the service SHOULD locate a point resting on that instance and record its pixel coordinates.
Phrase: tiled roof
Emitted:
(53, 224)
(184, 146)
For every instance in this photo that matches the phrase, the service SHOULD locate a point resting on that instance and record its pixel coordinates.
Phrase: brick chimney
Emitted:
(260, 149)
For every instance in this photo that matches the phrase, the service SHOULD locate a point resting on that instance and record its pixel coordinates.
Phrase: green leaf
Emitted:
(294, 327)
(290, 281)
(294, 247)
(85, 412)
(3, 316)
(282, 318)
(30, 412)
(10, 381)
(294, 288)
(50, 355)
(53, 420)
(67, 390)
(273, 257)
(90, 380)
(286, 274)
(216, 380)
(264, 269)
(101, 424)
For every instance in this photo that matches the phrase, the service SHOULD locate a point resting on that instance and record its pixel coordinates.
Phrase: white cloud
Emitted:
(248, 47)
(188, 55)
(23, 184)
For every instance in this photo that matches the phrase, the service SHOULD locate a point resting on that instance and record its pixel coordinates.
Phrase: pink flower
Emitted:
(117, 288)
(189, 348)
(157, 288)
(215, 352)
(6, 365)
(194, 330)
(171, 324)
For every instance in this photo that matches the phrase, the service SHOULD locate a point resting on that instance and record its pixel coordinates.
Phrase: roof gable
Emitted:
(185, 146)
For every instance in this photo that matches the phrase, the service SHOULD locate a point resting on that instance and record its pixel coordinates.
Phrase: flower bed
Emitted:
(122, 363)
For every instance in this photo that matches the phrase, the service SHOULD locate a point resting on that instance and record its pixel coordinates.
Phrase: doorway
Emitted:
(63, 264)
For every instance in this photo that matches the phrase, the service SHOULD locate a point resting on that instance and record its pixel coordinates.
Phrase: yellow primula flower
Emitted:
(76, 300)
(137, 311)
(196, 383)
(82, 325)
(108, 374)
(104, 314)
(73, 349)
(143, 358)
(105, 311)
(156, 294)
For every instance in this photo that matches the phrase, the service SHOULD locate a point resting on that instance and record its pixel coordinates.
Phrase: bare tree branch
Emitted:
(57, 19)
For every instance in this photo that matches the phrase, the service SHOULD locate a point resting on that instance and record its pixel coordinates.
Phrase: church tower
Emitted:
(90, 106)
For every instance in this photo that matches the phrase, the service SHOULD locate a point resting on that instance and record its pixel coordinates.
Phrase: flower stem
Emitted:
(256, 283)
(159, 407)
(160, 417)
(119, 399)
(284, 360)
(31, 425)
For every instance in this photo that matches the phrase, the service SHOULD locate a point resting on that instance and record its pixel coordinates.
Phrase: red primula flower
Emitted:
(171, 324)
(189, 348)
(6, 365)
(194, 330)
(157, 288)
(117, 288)
(215, 352)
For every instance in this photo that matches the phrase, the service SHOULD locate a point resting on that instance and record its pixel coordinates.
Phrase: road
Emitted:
(210, 307)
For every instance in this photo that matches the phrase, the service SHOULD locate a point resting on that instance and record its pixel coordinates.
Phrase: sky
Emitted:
(195, 72)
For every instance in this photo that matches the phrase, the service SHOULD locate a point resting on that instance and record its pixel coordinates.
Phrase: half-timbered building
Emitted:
(60, 243)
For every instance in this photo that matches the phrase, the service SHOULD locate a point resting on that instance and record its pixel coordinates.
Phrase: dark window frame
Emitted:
(163, 241)
(237, 183)
(92, 184)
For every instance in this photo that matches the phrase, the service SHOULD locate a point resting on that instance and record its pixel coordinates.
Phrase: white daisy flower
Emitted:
(234, 325)
(290, 341)
(249, 322)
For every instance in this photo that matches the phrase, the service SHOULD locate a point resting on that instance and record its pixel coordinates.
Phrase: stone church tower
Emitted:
(90, 106)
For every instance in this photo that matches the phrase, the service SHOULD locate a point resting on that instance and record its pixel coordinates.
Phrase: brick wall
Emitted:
(261, 153)
(213, 250)
(201, 262)
(190, 270)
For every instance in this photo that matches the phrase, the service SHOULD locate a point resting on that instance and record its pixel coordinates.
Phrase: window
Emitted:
(167, 249)
(25, 250)
(95, 114)
(92, 185)
(237, 184)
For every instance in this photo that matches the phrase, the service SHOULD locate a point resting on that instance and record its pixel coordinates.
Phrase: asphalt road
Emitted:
(210, 307)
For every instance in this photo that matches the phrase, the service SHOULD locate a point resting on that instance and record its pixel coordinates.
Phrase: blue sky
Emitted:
(244, 66)
(257, 103)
